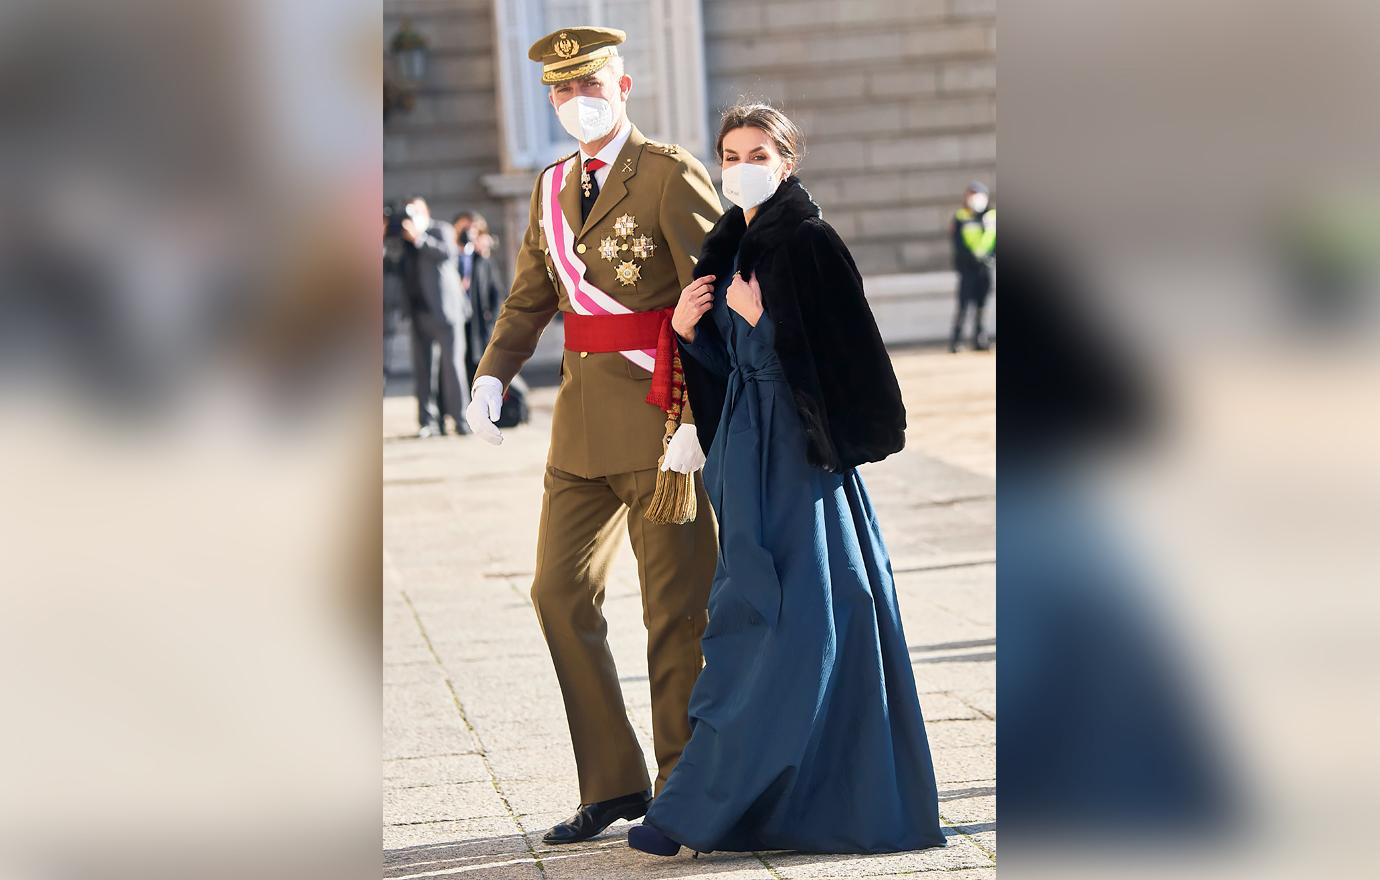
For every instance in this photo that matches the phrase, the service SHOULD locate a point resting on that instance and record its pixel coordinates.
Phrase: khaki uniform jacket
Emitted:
(602, 423)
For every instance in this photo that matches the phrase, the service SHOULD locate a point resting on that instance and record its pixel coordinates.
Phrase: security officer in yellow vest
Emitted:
(633, 213)
(974, 235)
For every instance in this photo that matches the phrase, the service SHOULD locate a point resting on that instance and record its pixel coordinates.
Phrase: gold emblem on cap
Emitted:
(628, 273)
(574, 52)
(566, 46)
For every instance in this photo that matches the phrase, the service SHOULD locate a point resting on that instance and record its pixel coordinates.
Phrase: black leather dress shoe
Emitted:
(592, 819)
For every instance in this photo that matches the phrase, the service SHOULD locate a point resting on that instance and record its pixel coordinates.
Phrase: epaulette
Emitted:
(671, 150)
(562, 159)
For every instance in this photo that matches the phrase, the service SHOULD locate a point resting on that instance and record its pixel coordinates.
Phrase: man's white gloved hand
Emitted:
(486, 402)
(683, 453)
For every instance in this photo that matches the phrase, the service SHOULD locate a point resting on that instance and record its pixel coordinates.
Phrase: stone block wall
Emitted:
(897, 100)
(449, 141)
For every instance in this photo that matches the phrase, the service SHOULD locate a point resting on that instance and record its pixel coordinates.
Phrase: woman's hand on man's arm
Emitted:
(696, 299)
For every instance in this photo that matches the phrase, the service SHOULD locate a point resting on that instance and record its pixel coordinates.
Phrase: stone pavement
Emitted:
(477, 761)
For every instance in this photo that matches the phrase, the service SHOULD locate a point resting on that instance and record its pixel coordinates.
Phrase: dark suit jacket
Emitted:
(437, 257)
(485, 297)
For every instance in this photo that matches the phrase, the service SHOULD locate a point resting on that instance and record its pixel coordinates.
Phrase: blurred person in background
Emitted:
(191, 302)
(1102, 730)
(482, 282)
(462, 223)
(1329, 249)
(485, 240)
(394, 298)
(437, 304)
(974, 235)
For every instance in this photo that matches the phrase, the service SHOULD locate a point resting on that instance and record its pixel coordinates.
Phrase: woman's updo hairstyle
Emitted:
(783, 133)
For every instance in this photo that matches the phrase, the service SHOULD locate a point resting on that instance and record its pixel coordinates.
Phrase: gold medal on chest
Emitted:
(609, 248)
(628, 272)
(642, 247)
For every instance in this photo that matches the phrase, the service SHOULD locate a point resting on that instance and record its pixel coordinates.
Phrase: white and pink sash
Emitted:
(585, 298)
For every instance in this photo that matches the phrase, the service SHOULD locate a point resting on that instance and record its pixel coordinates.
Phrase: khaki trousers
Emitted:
(580, 521)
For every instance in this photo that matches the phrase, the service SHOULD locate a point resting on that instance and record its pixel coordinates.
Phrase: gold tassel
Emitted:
(673, 500)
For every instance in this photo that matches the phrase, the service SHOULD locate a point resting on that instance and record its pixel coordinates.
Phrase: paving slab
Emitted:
(477, 753)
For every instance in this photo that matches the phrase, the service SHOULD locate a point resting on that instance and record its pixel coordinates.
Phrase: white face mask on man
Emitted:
(747, 185)
(586, 119)
(977, 201)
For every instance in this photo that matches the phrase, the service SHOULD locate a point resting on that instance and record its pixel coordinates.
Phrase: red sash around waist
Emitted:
(636, 330)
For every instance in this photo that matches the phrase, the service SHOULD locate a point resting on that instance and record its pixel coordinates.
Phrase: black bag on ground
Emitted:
(514, 410)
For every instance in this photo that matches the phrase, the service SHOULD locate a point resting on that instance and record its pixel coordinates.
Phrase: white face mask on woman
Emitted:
(586, 119)
(747, 185)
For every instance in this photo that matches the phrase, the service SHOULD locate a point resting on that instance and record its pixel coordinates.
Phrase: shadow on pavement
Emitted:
(492, 858)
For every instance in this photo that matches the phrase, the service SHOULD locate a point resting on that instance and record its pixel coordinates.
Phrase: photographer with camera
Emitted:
(438, 307)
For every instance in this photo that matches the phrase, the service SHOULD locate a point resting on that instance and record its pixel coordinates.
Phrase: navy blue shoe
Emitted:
(647, 839)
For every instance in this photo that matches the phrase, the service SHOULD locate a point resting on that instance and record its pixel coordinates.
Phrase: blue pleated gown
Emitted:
(806, 729)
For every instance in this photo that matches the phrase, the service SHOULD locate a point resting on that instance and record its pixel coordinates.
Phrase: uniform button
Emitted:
(580, 248)
(584, 354)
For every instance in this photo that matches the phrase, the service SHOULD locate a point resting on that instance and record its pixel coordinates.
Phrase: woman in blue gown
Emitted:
(806, 729)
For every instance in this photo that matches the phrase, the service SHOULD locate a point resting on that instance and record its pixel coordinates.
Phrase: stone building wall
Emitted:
(897, 100)
(449, 140)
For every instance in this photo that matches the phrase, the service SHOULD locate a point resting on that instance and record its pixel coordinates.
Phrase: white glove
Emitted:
(486, 402)
(683, 453)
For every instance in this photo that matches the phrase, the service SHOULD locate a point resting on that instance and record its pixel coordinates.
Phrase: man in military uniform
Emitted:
(974, 237)
(613, 237)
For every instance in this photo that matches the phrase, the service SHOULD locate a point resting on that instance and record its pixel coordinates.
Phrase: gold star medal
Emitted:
(624, 225)
(609, 248)
(628, 273)
(642, 247)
